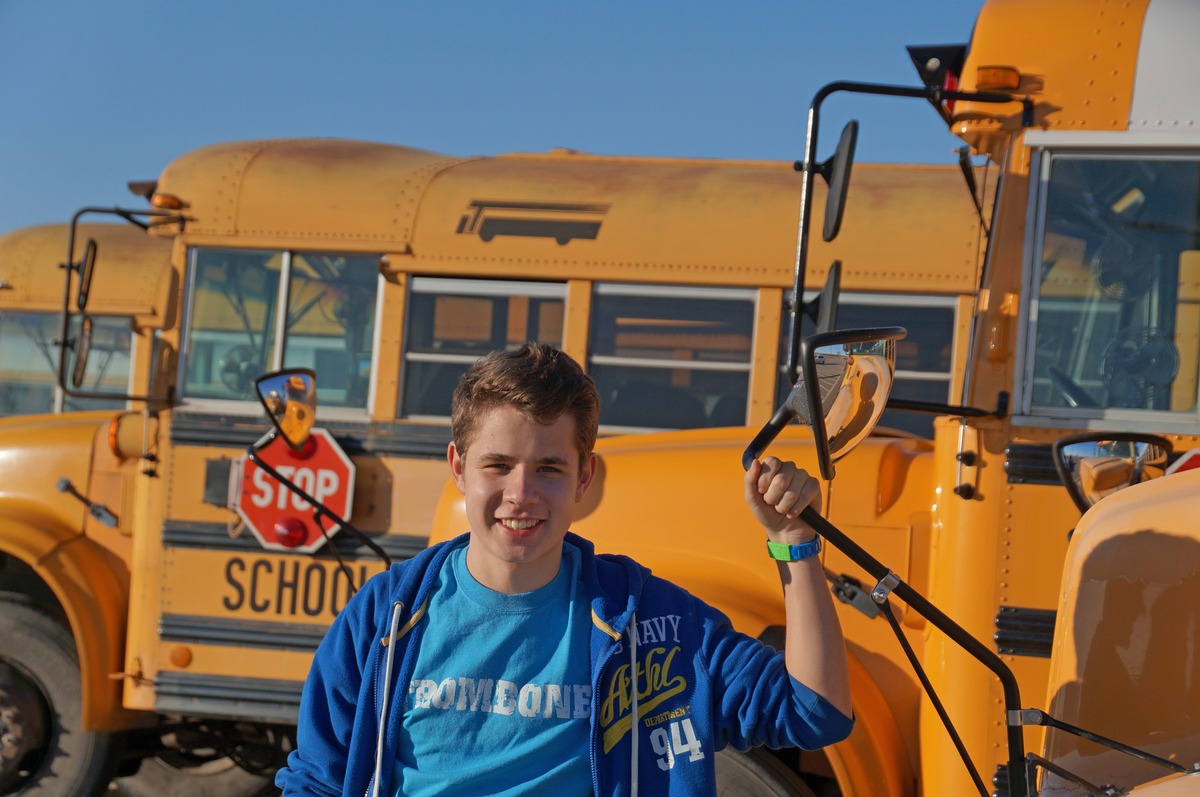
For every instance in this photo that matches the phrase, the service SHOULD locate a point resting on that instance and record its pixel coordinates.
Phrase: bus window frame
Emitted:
(250, 406)
(485, 287)
(750, 295)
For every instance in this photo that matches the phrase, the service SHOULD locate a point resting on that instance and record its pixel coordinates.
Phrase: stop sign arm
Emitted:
(319, 509)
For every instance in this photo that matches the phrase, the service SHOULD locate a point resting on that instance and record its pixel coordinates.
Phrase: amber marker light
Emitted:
(114, 445)
(166, 201)
(997, 78)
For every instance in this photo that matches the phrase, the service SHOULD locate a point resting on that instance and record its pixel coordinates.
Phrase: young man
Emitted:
(512, 660)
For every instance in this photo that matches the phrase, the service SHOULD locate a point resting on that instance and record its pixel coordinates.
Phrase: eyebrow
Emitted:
(491, 457)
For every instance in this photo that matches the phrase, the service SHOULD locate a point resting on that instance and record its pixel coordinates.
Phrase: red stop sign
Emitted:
(282, 520)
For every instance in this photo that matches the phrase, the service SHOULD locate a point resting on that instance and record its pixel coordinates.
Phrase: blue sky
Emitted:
(95, 94)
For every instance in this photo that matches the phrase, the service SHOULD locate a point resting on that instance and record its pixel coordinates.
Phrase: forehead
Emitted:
(505, 430)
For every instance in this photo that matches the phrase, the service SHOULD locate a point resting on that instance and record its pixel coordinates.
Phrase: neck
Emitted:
(513, 578)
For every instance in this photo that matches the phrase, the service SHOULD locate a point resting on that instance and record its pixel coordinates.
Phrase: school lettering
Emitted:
(291, 587)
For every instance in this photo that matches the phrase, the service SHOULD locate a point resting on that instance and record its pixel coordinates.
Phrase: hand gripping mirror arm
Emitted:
(777, 492)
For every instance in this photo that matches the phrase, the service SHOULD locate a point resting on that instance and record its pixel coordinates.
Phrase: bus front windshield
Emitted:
(1117, 317)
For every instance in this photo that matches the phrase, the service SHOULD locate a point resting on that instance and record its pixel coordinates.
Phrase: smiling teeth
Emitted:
(518, 525)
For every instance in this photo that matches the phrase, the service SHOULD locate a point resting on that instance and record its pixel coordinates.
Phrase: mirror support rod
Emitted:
(1033, 716)
(70, 267)
(957, 410)
(1018, 785)
(809, 169)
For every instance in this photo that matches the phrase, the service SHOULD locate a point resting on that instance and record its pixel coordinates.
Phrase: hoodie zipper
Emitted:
(390, 642)
(596, 717)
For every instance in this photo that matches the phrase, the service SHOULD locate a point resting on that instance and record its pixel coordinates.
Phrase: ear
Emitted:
(587, 472)
(456, 467)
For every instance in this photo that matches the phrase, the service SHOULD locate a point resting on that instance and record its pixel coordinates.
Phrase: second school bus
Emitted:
(388, 270)
(31, 286)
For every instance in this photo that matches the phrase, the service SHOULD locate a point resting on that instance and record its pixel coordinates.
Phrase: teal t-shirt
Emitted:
(501, 696)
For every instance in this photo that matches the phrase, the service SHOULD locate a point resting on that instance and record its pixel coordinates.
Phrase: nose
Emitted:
(520, 488)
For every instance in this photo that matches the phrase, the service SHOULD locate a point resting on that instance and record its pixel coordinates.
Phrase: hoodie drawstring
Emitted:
(397, 608)
(633, 730)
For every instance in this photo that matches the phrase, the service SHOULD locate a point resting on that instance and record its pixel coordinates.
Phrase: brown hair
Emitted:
(538, 380)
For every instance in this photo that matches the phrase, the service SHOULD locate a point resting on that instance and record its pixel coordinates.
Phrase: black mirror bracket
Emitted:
(888, 584)
(85, 268)
(810, 167)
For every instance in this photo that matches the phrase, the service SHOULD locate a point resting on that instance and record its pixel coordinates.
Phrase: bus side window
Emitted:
(1117, 319)
(26, 363)
(450, 323)
(233, 332)
(665, 357)
(29, 362)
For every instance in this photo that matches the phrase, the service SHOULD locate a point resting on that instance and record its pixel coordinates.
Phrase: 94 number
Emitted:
(682, 740)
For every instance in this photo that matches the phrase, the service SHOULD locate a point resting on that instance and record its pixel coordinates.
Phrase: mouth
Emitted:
(518, 525)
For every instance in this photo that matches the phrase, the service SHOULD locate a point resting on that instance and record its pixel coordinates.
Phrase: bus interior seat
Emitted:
(433, 386)
(730, 410)
(656, 406)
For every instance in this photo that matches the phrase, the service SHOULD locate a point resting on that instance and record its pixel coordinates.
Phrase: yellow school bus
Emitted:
(184, 618)
(1087, 318)
(31, 290)
(1053, 292)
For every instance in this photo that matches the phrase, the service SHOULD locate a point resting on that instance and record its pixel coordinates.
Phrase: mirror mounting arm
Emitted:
(891, 584)
(69, 387)
(957, 410)
(1033, 716)
(809, 166)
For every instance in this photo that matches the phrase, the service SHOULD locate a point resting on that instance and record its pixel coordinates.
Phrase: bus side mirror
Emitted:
(1093, 465)
(290, 399)
(822, 310)
(845, 379)
(836, 172)
(86, 268)
(83, 349)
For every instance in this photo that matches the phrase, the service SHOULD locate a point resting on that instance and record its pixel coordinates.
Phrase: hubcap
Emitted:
(23, 726)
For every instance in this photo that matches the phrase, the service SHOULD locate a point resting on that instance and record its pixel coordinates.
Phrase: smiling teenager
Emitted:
(516, 660)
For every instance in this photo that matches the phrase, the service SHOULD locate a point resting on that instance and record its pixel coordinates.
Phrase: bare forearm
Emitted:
(815, 650)
(777, 494)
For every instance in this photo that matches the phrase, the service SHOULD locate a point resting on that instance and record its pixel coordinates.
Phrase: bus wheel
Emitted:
(757, 772)
(44, 751)
(220, 777)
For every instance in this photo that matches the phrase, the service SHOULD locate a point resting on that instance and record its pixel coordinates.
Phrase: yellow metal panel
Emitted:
(279, 193)
(1077, 60)
(132, 269)
(649, 219)
(874, 760)
(237, 662)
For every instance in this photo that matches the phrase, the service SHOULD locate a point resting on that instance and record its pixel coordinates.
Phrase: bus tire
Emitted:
(44, 750)
(218, 778)
(757, 772)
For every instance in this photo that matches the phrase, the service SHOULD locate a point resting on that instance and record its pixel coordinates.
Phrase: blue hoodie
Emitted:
(709, 685)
